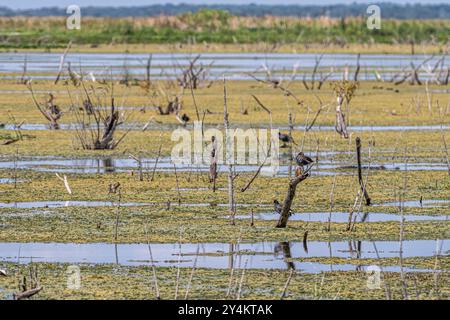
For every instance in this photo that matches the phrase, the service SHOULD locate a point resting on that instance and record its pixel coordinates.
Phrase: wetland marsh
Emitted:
(88, 179)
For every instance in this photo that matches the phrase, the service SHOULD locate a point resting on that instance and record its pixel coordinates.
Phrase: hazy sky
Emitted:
(23, 4)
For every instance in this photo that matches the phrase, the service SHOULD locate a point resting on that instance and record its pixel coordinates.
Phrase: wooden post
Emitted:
(361, 182)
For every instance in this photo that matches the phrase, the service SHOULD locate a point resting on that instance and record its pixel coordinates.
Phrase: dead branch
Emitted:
(61, 62)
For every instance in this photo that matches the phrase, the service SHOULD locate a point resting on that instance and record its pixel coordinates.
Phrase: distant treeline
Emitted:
(388, 10)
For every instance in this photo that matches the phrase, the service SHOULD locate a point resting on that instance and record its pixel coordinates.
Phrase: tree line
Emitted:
(388, 10)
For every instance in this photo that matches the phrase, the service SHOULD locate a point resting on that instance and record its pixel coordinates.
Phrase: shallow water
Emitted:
(234, 65)
(419, 204)
(169, 127)
(61, 204)
(260, 255)
(342, 217)
(10, 180)
(109, 165)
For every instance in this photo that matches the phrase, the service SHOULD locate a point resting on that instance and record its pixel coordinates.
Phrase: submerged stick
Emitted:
(283, 294)
(194, 267)
(155, 279)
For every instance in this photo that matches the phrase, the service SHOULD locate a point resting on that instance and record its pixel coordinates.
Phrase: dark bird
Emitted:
(278, 207)
(285, 138)
(185, 117)
(303, 160)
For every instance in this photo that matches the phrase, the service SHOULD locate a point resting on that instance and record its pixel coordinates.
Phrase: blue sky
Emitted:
(23, 4)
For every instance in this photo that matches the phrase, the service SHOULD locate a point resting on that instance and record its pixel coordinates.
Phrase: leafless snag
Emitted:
(284, 215)
(155, 278)
(319, 110)
(213, 163)
(344, 92)
(228, 145)
(276, 84)
(25, 292)
(51, 111)
(61, 62)
(268, 150)
(360, 178)
(96, 128)
(358, 67)
(24, 78)
(194, 75)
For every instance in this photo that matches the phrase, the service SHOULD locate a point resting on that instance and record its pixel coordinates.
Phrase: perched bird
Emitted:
(278, 207)
(285, 138)
(3, 273)
(185, 118)
(303, 160)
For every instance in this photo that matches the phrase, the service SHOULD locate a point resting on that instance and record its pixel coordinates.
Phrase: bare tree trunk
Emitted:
(341, 127)
(284, 215)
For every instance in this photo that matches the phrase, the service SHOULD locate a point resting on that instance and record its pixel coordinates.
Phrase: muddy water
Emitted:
(261, 255)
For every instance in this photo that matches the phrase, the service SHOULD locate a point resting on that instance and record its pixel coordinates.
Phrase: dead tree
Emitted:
(412, 74)
(195, 75)
(341, 127)
(360, 178)
(95, 130)
(319, 110)
(284, 215)
(25, 292)
(315, 72)
(24, 79)
(344, 92)
(51, 112)
(277, 84)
